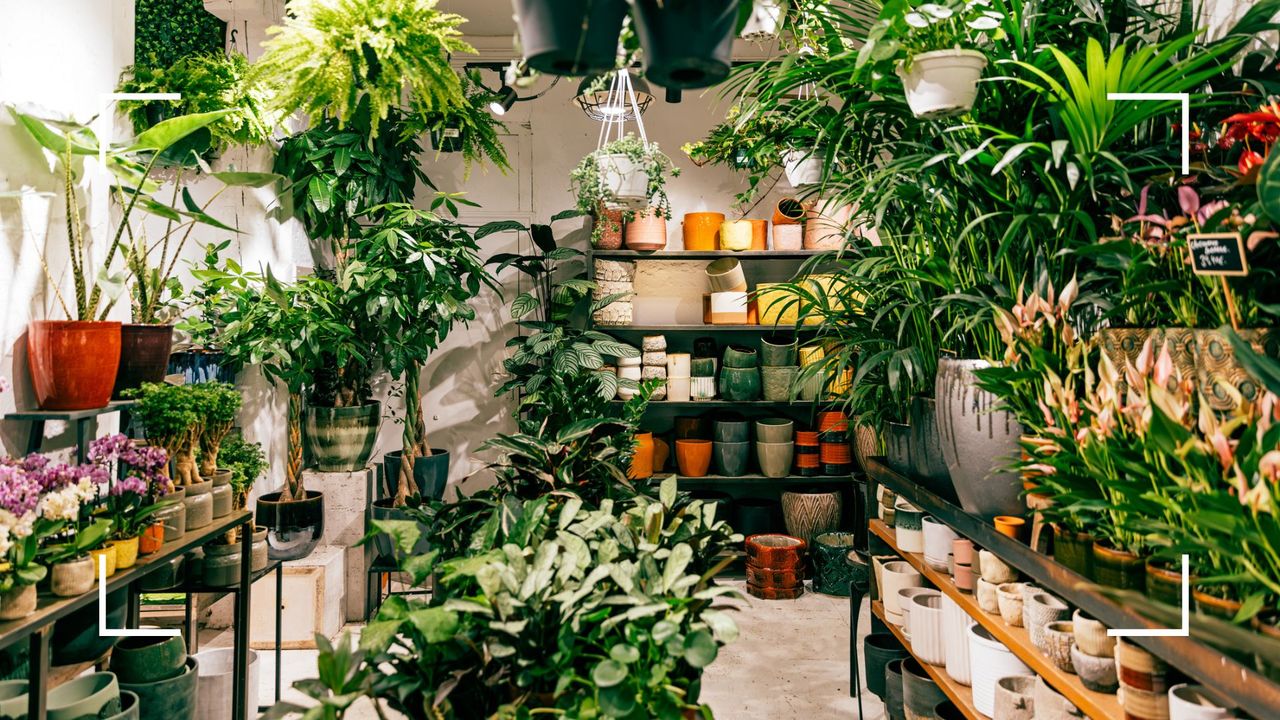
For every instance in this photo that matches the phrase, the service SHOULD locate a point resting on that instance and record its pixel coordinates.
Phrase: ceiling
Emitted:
(485, 17)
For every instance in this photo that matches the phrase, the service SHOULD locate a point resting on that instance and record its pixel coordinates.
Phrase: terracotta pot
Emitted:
(642, 458)
(18, 602)
(1073, 551)
(826, 224)
(701, 230)
(693, 457)
(1118, 568)
(144, 356)
(1209, 604)
(1164, 583)
(647, 231)
(759, 234)
(610, 222)
(788, 211)
(788, 237)
(73, 363)
(1010, 526)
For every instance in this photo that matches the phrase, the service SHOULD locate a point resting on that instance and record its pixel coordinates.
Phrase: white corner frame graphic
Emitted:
(1185, 630)
(105, 631)
(1185, 99)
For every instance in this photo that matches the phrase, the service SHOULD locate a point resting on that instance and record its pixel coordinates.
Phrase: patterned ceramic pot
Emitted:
(977, 440)
(1219, 373)
(340, 439)
(809, 514)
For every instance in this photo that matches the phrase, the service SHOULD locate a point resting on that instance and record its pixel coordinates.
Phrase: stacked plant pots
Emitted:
(739, 375)
(775, 446)
(732, 445)
(654, 363)
(779, 369)
(775, 566)
(162, 675)
(679, 377)
(614, 277)
(835, 455)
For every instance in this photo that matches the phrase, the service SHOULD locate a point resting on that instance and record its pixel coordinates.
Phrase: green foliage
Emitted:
(477, 128)
(207, 301)
(246, 461)
(907, 28)
(166, 410)
(166, 31)
(333, 57)
(588, 177)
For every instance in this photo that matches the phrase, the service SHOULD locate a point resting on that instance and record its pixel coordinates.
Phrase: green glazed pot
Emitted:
(740, 384)
(171, 699)
(1164, 582)
(777, 354)
(94, 695)
(339, 439)
(702, 367)
(1074, 551)
(738, 356)
(148, 659)
(128, 707)
(1118, 569)
(777, 382)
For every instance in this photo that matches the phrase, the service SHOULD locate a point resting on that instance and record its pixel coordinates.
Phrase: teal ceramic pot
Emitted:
(148, 659)
(128, 707)
(731, 458)
(13, 698)
(702, 367)
(740, 384)
(339, 439)
(778, 382)
(777, 352)
(829, 555)
(171, 699)
(430, 473)
(76, 638)
(732, 429)
(738, 356)
(775, 430)
(775, 458)
(94, 695)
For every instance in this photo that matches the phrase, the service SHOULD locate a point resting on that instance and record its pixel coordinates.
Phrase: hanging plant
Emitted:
(468, 128)
(165, 31)
(629, 174)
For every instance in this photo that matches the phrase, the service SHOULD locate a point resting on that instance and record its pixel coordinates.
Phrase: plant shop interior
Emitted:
(640, 359)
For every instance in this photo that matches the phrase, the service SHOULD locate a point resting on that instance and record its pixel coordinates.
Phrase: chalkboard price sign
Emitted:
(1217, 254)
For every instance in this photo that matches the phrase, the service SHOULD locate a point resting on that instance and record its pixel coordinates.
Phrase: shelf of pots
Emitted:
(705, 254)
(1197, 656)
(960, 694)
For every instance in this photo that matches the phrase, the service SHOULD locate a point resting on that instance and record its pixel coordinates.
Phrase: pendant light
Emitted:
(597, 99)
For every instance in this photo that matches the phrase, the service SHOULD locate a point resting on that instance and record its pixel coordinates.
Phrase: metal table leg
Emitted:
(279, 630)
(189, 623)
(240, 676)
(37, 675)
(36, 438)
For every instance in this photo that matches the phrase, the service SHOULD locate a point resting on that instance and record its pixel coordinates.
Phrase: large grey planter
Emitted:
(340, 439)
(978, 440)
(926, 449)
(171, 699)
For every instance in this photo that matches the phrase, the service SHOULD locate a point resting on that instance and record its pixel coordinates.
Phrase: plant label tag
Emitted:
(1217, 254)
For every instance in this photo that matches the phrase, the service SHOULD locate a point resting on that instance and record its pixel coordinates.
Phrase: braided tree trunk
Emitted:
(415, 440)
(293, 489)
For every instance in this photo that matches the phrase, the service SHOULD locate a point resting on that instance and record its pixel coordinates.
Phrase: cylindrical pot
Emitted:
(775, 458)
(1164, 583)
(647, 231)
(866, 444)
(788, 237)
(735, 235)
(731, 459)
(126, 552)
(978, 439)
(1140, 670)
(756, 516)
(1118, 568)
(928, 641)
(778, 383)
(152, 539)
(777, 352)
(106, 552)
(893, 698)
(624, 181)
(788, 211)
(759, 234)
(570, 37)
(809, 514)
(942, 82)
(294, 528)
(701, 230)
(687, 43)
(222, 501)
(1207, 603)
(148, 659)
(908, 526)
(739, 384)
(170, 699)
(1010, 526)
(1197, 702)
(895, 576)
(1096, 673)
(775, 430)
(679, 365)
(955, 642)
(93, 695)
(726, 275)
(926, 449)
(259, 555)
(221, 564)
(199, 504)
(174, 515)
(693, 457)
(340, 439)
(879, 649)
(1074, 551)
(215, 684)
(144, 356)
(897, 440)
(826, 224)
(920, 694)
(430, 472)
(938, 539)
(906, 596)
(1221, 377)
(17, 602)
(642, 457)
(990, 660)
(76, 638)
(167, 575)
(73, 363)
(1039, 609)
(1051, 705)
(740, 356)
(1015, 698)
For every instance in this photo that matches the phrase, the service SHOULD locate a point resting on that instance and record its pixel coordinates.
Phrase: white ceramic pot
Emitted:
(928, 640)
(678, 365)
(803, 167)
(1197, 702)
(626, 182)
(943, 82)
(702, 388)
(906, 596)
(213, 688)
(907, 531)
(896, 576)
(762, 24)
(955, 640)
(628, 372)
(788, 237)
(633, 361)
(729, 308)
(938, 538)
(679, 389)
(989, 660)
(1051, 705)
(1039, 608)
(988, 598)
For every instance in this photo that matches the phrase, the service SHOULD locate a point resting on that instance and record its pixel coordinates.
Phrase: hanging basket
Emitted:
(943, 82)
(762, 25)
(803, 167)
(570, 37)
(626, 183)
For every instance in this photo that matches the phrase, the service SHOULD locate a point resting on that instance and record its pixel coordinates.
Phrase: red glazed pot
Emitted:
(144, 356)
(773, 578)
(775, 550)
(775, 593)
(73, 362)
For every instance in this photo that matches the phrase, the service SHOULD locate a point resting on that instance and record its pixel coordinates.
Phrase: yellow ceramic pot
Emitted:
(109, 552)
(777, 306)
(735, 235)
(126, 552)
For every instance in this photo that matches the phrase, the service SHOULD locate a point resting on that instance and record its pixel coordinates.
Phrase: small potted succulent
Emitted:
(626, 174)
(934, 48)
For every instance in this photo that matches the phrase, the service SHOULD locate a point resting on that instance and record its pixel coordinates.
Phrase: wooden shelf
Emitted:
(790, 480)
(70, 415)
(705, 254)
(959, 694)
(1098, 706)
(708, 328)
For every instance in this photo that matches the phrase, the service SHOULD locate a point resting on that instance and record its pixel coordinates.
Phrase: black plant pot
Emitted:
(570, 37)
(75, 637)
(431, 473)
(382, 543)
(687, 43)
(925, 446)
(447, 139)
(893, 704)
(753, 516)
(880, 649)
(294, 528)
(199, 366)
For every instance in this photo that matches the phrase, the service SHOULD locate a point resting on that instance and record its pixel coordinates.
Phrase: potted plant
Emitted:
(25, 525)
(219, 404)
(136, 495)
(687, 43)
(626, 173)
(933, 48)
(247, 462)
(764, 21)
(198, 357)
(468, 128)
(570, 37)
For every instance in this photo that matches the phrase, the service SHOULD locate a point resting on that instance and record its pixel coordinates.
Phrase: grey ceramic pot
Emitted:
(1015, 697)
(731, 459)
(171, 699)
(778, 382)
(977, 440)
(775, 458)
(880, 649)
(926, 449)
(94, 695)
(731, 429)
(893, 705)
(739, 384)
(148, 659)
(775, 352)
(920, 694)
(174, 515)
(897, 442)
(775, 430)
(339, 439)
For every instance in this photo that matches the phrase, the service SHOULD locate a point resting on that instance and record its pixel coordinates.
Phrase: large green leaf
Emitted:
(246, 179)
(166, 133)
(1269, 186)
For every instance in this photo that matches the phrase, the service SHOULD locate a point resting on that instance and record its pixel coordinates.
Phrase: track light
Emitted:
(505, 98)
(674, 95)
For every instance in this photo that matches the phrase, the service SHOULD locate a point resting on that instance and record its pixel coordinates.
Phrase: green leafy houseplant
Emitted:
(166, 31)
(170, 416)
(218, 405)
(246, 461)
(469, 128)
(907, 29)
(599, 176)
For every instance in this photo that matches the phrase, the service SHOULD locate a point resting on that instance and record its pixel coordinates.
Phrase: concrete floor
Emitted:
(790, 662)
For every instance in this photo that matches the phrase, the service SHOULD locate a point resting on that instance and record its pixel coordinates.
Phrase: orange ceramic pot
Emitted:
(693, 457)
(825, 224)
(1010, 526)
(152, 539)
(661, 451)
(642, 460)
(610, 224)
(647, 231)
(759, 234)
(788, 211)
(73, 363)
(701, 230)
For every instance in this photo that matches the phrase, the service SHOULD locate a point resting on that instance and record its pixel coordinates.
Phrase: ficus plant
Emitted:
(218, 405)
(170, 417)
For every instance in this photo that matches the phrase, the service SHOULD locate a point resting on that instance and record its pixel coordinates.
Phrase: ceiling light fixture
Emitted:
(593, 98)
(502, 102)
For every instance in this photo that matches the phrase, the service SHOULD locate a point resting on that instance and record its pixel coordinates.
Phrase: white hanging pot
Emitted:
(942, 82)
(626, 183)
(803, 167)
(762, 24)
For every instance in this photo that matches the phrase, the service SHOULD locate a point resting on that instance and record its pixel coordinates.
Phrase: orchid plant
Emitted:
(46, 514)
(140, 490)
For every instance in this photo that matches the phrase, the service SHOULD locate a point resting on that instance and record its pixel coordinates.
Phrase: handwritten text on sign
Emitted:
(1217, 254)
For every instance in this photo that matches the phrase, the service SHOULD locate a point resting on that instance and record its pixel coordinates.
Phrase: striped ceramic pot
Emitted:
(340, 439)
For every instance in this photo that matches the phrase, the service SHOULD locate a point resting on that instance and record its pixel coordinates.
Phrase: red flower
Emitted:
(1248, 161)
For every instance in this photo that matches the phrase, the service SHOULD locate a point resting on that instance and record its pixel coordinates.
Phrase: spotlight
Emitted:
(505, 98)
(674, 95)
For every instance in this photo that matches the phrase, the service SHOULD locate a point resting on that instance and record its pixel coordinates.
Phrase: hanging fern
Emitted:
(332, 55)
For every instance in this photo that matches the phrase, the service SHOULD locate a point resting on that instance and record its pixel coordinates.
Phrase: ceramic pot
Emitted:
(897, 440)
(787, 211)
(1009, 596)
(879, 649)
(896, 576)
(826, 224)
(731, 459)
(169, 574)
(905, 606)
(814, 379)
(776, 352)
(221, 566)
(759, 234)
(893, 700)
(259, 555)
(1118, 568)
(942, 83)
(694, 428)
(294, 528)
(14, 700)
(1010, 526)
(938, 540)
(642, 457)
(701, 230)
(739, 384)
(1140, 670)
(623, 271)
(198, 503)
(731, 427)
(76, 637)
(679, 389)
(1073, 551)
(829, 559)
(1219, 373)
(144, 356)
(73, 577)
(735, 235)
(93, 695)
(788, 237)
(18, 602)
(920, 694)
(214, 686)
(955, 640)
(775, 458)
(152, 539)
(877, 574)
(928, 640)
(725, 276)
(1091, 636)
(126, 552)
(1096, 673)
(647, 231)
(756, 516)
(866, 444)
(778, 384)
(624, 180)
(1142, 704)
(908, 527)
(1039, 609)
(635, 373)
(168, 699)
(174, 515)
(926, 449)
(107, 553)
(702, 388)
(803, 167)
(693, 457)
(1057, 641)
(809, 514)
(570, 37)
(978, 439)
(962, 576)
(1050, 705)
(773, 550)
(430, 472)
(1015, 698)
(340, 439)
(72, 363)
(1164, 584)
(738, 356)
(686, 45)
(148, 659)
(1209, 604)
(1197, 702)
(775, 430)
(990, 660)
(994, 570)
(988, 596)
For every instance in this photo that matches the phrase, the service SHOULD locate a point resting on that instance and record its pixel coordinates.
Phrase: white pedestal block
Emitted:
(312, 602)
(346, 502)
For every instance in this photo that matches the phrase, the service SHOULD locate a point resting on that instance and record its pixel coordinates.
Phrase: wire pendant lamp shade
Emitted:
(596, 103)
(622, 106)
